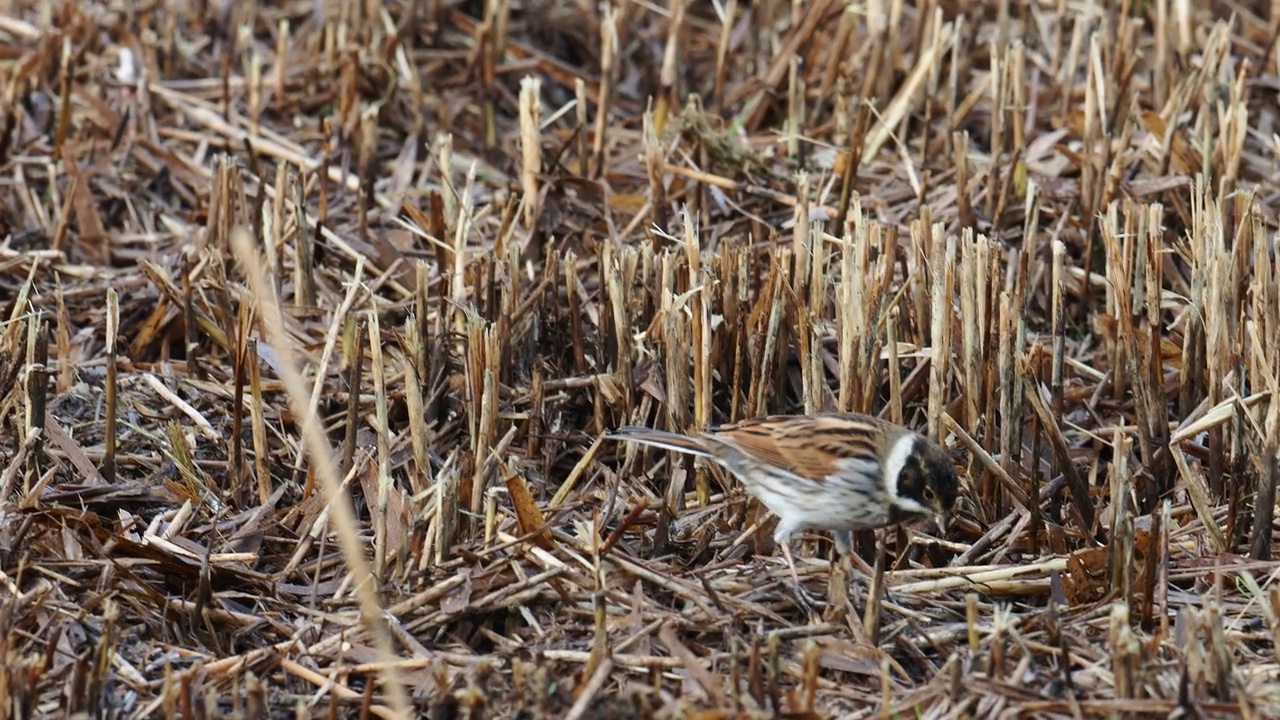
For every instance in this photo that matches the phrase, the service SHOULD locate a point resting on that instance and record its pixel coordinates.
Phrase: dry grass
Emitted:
(312, 317)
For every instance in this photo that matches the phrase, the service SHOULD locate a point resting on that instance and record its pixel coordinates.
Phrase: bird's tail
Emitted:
(660, 439)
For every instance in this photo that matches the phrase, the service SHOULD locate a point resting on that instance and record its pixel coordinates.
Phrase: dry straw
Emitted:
(311, 325)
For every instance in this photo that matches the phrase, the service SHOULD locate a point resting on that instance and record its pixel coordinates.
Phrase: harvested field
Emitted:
(314, 317)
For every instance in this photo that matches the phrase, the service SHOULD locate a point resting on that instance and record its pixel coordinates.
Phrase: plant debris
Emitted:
(313, 318)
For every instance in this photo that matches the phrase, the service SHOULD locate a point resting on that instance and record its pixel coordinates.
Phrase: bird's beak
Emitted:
(944, 520)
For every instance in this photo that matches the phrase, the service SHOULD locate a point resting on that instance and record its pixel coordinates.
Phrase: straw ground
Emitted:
(313, 316)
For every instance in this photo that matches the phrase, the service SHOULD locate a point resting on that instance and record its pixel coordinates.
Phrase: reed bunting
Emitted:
(834, 472)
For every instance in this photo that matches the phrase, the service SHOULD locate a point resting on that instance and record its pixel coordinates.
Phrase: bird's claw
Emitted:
(804, 599)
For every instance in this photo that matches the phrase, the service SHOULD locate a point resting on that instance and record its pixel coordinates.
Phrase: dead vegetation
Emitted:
(314, 315)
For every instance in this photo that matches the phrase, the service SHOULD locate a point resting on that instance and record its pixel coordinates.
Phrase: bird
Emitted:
(833, 472)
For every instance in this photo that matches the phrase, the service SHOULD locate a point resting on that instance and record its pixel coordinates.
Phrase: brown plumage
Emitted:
(833, 472)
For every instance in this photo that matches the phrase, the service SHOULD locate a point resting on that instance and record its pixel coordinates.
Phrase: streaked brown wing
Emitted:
(807, 446)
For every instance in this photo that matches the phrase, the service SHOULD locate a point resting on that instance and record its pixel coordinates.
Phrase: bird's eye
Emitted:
(929, 494)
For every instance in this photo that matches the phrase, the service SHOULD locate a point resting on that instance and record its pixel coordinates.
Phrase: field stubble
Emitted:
(315, 314)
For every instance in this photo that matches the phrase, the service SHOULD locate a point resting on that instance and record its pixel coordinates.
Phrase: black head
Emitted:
(928, 480)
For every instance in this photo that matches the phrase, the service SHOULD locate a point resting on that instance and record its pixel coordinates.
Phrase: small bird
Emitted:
(832, 472)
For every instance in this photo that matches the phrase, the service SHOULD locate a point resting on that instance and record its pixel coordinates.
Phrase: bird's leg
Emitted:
(782, 536)
(791, 563)
(803, 598)
(838, 577)
(844, 542)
